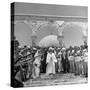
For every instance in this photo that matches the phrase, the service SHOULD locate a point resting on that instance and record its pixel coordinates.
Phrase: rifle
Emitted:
(24, 59)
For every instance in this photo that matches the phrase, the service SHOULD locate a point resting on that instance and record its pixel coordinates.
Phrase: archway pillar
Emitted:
(34, 38)
(85, 40)
(85, 36)
(60, 39)
(36, 26)
(60, 36)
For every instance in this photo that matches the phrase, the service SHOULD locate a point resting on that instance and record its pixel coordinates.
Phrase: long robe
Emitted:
(72, 64)
(36, 64)
(85, 64)
(77, 65)
(65, 63)
(59, 59)
(51, 59)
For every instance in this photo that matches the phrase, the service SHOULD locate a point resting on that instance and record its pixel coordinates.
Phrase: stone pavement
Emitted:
(58, 79)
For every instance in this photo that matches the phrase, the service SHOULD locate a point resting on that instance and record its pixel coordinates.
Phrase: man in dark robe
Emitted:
(65, 62)
(43, 62)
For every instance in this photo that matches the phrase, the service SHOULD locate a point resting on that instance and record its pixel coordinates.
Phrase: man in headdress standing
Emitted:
(50, 60)
(72, 61)
(85, 63)
(78, 62)
(65, 61)
(36, 64)
(59, 59)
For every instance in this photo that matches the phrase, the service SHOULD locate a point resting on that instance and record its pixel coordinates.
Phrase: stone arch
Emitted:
(44, 24)
(80, 25)
(40, 24)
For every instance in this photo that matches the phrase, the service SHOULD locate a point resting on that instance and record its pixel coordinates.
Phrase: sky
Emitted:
(71, 32)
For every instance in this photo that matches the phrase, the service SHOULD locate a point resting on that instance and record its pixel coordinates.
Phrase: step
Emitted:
(58, 79)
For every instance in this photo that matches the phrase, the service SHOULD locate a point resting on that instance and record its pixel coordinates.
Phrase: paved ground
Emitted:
(58, 79)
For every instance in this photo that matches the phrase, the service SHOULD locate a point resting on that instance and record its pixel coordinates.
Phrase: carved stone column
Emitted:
(34, 37)
(60, 39)
(85, 36)
(36, 25)
(60, 36)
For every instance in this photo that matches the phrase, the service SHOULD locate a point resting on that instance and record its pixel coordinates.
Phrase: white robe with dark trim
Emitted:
(51, 59)
(36, 64)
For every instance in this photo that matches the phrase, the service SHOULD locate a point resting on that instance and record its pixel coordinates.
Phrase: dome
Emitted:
(50, 40)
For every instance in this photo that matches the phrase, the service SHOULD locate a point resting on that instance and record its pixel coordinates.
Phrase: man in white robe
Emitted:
(36, 64)
(51, 60)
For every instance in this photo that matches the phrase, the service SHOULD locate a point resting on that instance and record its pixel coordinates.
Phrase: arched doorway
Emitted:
(46, 30)
(50, 40)
(23, 32)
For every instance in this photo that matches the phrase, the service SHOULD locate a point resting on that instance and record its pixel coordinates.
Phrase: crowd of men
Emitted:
(31, 62)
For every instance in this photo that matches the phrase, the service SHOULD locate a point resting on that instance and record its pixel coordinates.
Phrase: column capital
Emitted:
(60, 36)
